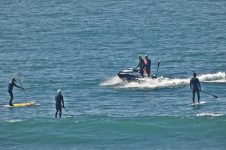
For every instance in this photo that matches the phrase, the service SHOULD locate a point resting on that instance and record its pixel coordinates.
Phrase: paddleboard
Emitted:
(21, 104)
(198, 104)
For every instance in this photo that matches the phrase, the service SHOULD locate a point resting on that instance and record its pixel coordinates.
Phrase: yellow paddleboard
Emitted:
(21, 104)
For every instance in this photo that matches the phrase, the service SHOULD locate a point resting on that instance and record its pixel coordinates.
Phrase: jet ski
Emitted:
(133, 75)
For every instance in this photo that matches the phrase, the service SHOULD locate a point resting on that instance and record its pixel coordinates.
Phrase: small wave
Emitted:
(209, 114)
(13, 120)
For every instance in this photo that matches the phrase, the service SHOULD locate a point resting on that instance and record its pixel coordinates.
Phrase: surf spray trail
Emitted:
(163, 82)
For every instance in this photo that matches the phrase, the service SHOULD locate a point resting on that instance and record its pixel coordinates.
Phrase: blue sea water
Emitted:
(80, 46)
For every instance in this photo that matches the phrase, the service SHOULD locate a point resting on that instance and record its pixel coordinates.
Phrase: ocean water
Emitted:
(80, 46)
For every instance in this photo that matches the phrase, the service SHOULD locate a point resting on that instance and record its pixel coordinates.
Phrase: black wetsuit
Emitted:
(141, 66)
(59, 101)
(10, 91)
(148, 66)
(196, 87)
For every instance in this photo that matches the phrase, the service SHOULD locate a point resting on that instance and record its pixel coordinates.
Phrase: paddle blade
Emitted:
(215, 96)
(210, 94)
(158, 63)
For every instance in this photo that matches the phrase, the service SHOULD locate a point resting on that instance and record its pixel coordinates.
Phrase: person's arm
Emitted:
(149, 63)
(63, 101)
(199, 84)
(137, 65)
(14, 84)
(190, 84)
(142, 63)
(55, 99)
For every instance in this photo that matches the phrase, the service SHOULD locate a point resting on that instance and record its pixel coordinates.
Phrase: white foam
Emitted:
(201, 103)
(14, 120)
(156, 83)
(163, 82)
(209, 114)
(215, 77)
(146, 83)
(112, 81)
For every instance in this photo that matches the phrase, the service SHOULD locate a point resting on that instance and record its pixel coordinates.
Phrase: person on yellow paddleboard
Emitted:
(10, 90)
(59, 99)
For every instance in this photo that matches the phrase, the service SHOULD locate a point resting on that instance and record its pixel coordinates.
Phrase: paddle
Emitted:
(68, 112)
(23, 89)
(209, 94)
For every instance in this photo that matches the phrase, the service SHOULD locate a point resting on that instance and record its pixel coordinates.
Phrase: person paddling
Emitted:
(196, 87)
(59, 99)
(10, 90)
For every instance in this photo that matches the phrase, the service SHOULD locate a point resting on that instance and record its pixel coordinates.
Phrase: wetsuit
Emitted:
(10, 91)
(147, 64)
(196, 88)
(141, 66)
(59, 101)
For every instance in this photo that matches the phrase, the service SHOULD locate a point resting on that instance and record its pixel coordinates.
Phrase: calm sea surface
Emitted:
(80, 46)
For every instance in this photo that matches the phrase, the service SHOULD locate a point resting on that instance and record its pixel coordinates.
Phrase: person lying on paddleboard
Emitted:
(59, 99)
(10, 90)
(196, 87)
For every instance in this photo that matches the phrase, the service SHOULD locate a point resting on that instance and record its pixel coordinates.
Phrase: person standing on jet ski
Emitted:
(147, 65)
(141, 66)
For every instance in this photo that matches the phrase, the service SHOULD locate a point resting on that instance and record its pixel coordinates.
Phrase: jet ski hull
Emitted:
(132, 75)
(128, 77)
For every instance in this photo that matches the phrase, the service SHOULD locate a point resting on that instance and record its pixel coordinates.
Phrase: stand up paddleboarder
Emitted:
(10, 90)
(196, 87)
(59, 99)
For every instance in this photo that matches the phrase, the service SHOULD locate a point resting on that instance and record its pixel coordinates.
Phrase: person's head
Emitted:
(13, 80)
(59, 91)
(146, 56)
(140, 57)
(194, 74)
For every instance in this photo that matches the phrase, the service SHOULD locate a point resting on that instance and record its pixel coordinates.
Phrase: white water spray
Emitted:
(163, 82)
